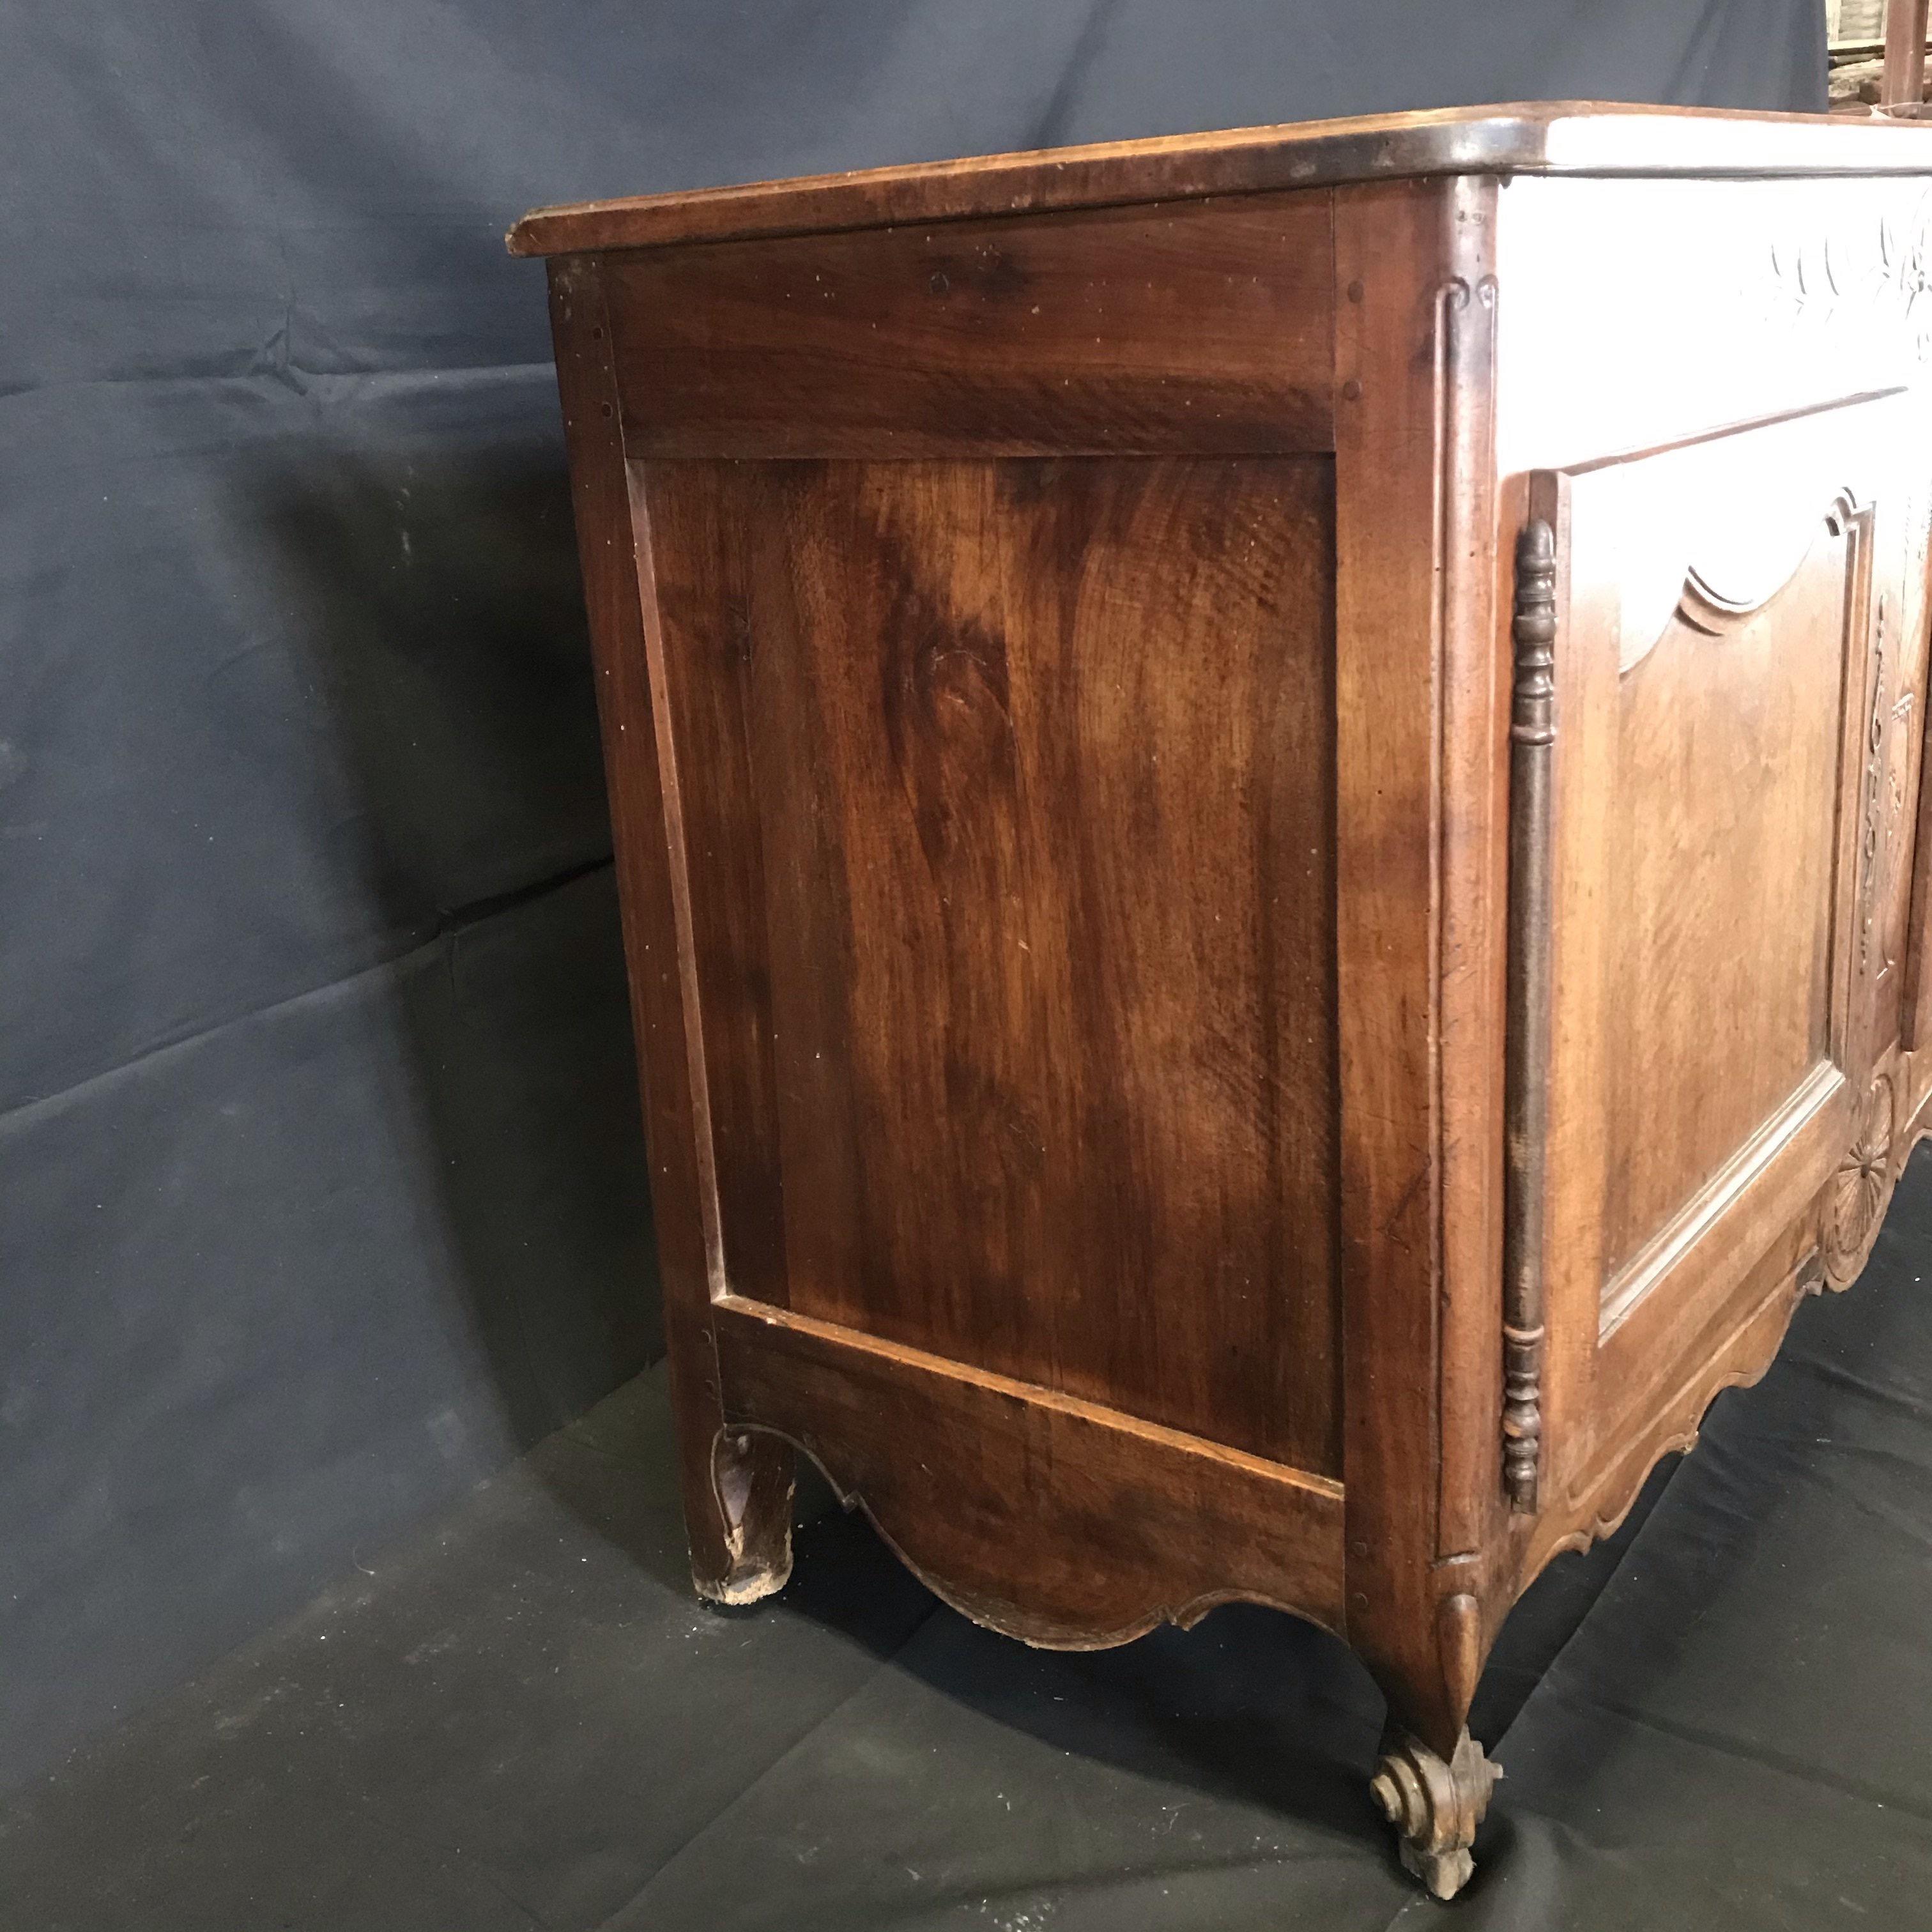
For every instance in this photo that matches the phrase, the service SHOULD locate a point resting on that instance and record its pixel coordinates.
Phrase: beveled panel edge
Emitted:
(1714, 1291)
(739, 1554)
(1700, 1219)
(1557, 138)
(768, 1315)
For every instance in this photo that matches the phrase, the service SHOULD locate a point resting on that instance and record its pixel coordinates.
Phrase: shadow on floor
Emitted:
(522, 1718)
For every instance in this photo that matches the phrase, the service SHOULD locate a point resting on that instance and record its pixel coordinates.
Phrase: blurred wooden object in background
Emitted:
(1904, 89)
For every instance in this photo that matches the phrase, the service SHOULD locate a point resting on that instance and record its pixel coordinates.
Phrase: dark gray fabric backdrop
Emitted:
(321, 1188)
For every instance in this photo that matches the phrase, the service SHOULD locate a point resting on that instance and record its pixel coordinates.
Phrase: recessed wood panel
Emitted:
(1721, 836)
(1007, 793)
(1204, 326)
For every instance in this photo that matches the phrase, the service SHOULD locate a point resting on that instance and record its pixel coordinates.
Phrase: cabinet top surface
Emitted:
(1549, 138)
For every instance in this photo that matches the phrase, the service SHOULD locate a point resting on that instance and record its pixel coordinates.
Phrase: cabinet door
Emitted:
(1736, 723)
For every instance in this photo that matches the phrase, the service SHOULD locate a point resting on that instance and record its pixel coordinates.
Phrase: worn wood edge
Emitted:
(997, 1614)
(1563, 137)
(678, 863)
(1758, 1223)
(1316, 1500)
(745, 1550)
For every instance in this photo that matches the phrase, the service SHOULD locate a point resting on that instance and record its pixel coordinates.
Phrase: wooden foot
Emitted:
(1435, 1807)
(741, 1531)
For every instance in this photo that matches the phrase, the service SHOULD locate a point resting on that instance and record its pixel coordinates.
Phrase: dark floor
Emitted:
(522, 1718)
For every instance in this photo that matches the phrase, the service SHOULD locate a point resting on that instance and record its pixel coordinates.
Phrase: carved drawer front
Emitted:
(1735, 743)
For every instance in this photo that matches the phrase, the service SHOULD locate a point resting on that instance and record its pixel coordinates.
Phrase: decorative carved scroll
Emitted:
(1526, 1092)
(1435, 1805)
(1713, 562)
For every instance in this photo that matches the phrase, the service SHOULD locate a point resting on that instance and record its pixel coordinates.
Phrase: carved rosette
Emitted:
(1861, 1189)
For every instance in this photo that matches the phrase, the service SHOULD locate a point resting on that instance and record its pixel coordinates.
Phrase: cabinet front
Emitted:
(1733, 765)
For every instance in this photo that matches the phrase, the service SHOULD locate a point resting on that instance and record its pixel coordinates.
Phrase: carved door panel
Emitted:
(1733, 750)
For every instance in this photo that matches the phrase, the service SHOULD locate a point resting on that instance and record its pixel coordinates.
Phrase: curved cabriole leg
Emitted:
(1435, 1807)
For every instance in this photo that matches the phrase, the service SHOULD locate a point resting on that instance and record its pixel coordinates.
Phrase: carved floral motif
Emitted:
(1860, 1189)
(1884, 271)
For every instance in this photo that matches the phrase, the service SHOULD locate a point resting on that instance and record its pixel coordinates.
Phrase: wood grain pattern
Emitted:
(1203, 327)
(1020, 1013)
(1054, 1520)
(1673, 1376)
(1703, 1059)
(1732, 1356)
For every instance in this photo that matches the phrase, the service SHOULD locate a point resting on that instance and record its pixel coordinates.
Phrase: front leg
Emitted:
(1432, 1781)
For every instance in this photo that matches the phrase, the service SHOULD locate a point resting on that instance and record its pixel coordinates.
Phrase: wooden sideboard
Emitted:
(1265, 790)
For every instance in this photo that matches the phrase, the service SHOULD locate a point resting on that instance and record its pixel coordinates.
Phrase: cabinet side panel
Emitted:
(1037, 756)
(1199, 326)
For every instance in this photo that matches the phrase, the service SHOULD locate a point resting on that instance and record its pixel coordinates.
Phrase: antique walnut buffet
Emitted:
(1266, 789)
